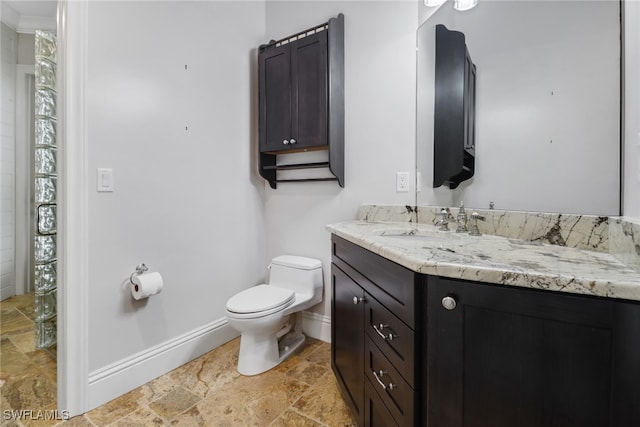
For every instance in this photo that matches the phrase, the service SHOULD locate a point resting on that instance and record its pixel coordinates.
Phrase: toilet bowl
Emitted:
(268, 315)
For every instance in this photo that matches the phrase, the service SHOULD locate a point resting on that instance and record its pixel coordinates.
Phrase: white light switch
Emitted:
(105, 180)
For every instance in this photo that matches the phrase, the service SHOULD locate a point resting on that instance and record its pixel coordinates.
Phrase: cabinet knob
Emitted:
(285, 142)
(358, 300)
(293, 141)
(449, 303)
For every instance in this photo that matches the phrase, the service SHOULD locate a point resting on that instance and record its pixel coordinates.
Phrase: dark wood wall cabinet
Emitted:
(301, 100)
(454, 110)
(415, 350)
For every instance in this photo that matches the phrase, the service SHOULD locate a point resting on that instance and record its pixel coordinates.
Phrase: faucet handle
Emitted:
(478, 216)
(443, 222)
(473, 228)
(461, 219)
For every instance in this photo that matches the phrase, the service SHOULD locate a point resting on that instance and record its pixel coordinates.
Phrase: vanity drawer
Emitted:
(395, 393)
(375, 413)
(390, 283)
(392, 336)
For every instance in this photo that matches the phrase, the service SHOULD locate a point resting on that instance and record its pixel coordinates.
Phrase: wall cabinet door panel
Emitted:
(275, 96)
(309, 87)
(294, 94)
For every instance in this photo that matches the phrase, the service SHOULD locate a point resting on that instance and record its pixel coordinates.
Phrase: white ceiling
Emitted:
(29, 15)
(33, 8)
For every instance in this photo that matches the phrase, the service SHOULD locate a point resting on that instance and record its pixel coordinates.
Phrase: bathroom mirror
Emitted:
(547, 106)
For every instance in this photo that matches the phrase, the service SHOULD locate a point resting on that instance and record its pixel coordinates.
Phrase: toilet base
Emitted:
(289, 346)
(258, 354)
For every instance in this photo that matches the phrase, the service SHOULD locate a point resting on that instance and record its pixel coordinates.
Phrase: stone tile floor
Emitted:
(207, 391)
(27, 375)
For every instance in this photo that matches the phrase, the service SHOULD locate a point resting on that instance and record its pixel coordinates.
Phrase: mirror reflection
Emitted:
(547, 106)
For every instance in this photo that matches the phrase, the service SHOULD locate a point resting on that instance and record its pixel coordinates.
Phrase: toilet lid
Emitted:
(260, 298)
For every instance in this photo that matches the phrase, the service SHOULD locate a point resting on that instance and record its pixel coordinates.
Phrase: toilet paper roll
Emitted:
(145, 285)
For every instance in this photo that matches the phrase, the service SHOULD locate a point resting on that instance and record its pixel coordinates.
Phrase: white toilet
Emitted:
(268, 316)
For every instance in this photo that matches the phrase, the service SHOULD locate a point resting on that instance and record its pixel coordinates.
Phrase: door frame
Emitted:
(72, 300)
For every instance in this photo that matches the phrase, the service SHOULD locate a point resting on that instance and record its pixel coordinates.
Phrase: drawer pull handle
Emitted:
(389, 337)
(358, 300)
(384, 386)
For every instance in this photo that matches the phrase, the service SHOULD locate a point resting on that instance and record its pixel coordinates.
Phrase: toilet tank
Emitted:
(300, 274)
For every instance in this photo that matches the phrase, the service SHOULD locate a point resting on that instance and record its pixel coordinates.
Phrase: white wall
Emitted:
(379, 124)
(548, 106)
(187, 199)
(9, 57)
(631, 186)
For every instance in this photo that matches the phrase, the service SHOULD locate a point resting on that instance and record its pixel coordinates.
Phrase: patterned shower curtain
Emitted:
(45, 190)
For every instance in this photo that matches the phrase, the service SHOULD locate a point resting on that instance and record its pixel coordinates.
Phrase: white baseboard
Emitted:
(114, 380)
(316, 326)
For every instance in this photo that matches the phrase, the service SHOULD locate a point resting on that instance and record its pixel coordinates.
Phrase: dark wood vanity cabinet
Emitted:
(416, 350)
(375, 344)
(502, 356)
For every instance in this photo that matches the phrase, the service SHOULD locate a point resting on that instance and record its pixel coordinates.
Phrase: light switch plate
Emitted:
(104, 180)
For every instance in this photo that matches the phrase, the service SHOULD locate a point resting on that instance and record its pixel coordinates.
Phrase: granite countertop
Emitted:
(494, 259)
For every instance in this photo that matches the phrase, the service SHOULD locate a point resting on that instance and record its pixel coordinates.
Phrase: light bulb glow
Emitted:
(433, 3)
(464, 4)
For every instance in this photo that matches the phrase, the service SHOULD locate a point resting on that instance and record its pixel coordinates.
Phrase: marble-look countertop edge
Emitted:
(501, 273)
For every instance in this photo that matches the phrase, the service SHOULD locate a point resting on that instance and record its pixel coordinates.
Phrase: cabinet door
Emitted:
(275, 98)
(309, 90)
(507, 357)
(347, 340)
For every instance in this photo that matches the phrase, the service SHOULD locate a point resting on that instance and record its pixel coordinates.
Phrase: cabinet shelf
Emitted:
(298, 166)
(301, 101)
(306, 179)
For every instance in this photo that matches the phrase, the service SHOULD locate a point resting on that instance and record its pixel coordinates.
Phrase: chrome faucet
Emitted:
(443, 222)
(473, 228)
(461, 219)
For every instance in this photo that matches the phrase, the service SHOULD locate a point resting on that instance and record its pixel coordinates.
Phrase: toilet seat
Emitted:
(259, 301)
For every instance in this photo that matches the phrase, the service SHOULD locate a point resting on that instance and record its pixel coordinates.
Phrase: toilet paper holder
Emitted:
(140, 268)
